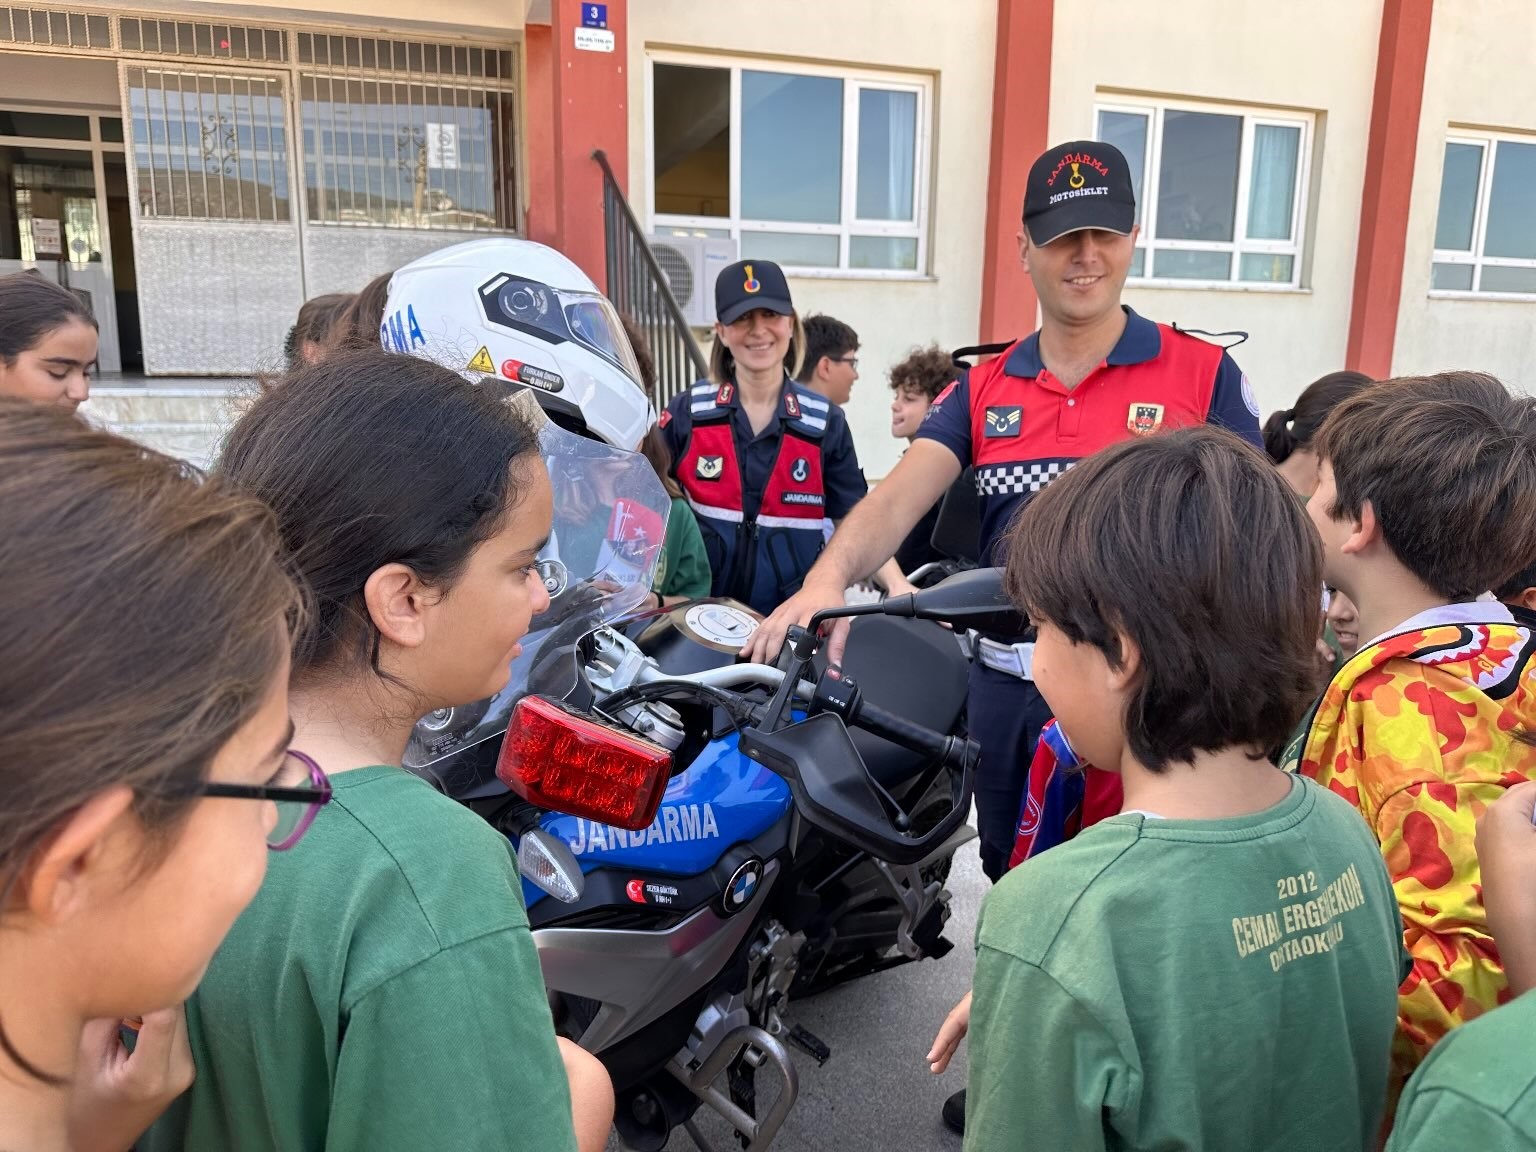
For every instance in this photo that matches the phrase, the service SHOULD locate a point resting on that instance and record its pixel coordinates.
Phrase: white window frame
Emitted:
(1488, 142)
(1252, 117)
(854, 81)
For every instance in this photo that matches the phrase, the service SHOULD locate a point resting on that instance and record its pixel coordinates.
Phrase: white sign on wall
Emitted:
(47, 239)
(594, 40)
(442, 145)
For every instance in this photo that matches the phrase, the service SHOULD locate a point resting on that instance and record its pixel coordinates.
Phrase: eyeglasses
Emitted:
(300, 790)
(851, 361)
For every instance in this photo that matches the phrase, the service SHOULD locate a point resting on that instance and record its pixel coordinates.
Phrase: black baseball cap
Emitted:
(750, 284)
(1078, 185)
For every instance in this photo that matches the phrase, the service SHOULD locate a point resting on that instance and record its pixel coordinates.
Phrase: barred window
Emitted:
(209, 147)
(217, 41)
(408, 155)
(53, 28)
(364, 53)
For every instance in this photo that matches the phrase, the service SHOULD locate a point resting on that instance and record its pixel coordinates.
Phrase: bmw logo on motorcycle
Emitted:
(742, 887)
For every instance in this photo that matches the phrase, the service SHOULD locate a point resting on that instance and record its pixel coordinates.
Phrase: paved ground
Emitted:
(876, 1092)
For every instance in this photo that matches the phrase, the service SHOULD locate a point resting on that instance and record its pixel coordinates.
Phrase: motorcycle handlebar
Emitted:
(899, 730)
(810, 756)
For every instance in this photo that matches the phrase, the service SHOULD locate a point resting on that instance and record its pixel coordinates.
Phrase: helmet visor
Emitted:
(610, 522)
(556, 315)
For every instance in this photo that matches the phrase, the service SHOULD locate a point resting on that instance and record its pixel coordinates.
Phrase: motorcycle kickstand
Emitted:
(759, 1132)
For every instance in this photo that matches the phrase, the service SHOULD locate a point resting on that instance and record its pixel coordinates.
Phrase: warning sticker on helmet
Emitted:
(482, 362)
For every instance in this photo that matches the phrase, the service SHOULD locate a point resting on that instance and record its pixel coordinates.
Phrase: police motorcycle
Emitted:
(701, 840)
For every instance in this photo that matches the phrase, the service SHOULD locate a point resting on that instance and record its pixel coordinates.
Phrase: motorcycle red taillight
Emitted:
(557, 759)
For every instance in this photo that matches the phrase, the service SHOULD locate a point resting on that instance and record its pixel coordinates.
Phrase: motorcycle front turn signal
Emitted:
(556, 759)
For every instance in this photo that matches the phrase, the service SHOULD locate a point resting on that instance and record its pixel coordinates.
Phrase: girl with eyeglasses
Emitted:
(383, 992)
(144, 763)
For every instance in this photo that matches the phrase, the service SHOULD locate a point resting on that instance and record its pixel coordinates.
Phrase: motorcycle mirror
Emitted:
(973, 599)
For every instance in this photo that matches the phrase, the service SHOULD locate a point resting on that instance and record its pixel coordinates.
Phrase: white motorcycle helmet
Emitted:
(523, 314)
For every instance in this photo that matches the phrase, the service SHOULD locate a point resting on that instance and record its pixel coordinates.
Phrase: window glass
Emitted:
(1511, 231)
(692, 125)
(1197, 179)
(791, 148)
(1458, 196)
(887, 154)
(804, 250)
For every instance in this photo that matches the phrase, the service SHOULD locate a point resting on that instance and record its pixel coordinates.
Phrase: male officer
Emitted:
(1094, 373)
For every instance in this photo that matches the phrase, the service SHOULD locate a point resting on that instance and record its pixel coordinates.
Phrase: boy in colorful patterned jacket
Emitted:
(1427, 500)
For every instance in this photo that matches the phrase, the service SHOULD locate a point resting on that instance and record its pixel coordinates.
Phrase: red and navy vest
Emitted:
(760, 560)
(1026, 430)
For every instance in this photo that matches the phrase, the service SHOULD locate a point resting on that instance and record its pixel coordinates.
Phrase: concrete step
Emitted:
(182, 419)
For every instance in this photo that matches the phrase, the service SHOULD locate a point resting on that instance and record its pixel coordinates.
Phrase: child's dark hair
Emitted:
(825, 336)
(357, 325)
(654, 446)
(317, 319)
(926, 371)
(1191, 546)
(641, 347)
(1515, 586)
(143, 622)
(370, 458)
(1294, 428)
(1448, 464)
(31, 306)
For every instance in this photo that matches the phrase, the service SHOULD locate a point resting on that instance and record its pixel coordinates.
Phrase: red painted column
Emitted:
(1388, 183)
(539, 128)
(1021, 104)
(591, 111)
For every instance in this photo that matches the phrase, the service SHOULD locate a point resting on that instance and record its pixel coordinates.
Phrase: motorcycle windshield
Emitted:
(610, 521)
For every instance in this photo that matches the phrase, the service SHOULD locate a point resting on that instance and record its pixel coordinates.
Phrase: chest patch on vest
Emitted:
(1004, 421)
(709, 467)
(801, 472)
(1144, 419)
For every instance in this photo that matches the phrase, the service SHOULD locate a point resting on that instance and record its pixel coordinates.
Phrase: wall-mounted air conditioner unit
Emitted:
(690, 264)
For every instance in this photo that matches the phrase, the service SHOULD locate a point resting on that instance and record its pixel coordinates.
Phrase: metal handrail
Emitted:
(639, 288)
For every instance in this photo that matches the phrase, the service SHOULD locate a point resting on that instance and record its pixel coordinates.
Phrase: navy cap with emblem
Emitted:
(750, 284)
(1076, 186)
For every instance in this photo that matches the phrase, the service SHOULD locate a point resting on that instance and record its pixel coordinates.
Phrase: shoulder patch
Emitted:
(665, 418)
(1250, 401)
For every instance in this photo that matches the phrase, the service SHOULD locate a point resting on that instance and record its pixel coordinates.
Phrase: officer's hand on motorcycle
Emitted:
(953, 1030)
(764, 646)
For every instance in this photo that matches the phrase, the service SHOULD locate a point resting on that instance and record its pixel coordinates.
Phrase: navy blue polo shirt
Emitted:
(842, 477)
(1020, 427)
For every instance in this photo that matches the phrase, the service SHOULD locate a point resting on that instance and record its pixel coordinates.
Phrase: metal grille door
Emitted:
(216, 234)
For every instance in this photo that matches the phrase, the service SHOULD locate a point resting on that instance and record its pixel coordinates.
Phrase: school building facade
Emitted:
(1351, 183)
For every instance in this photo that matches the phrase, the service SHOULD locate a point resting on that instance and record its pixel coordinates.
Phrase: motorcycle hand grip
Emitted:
(899, 730)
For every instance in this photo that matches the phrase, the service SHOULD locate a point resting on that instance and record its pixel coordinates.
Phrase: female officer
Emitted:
(761, 459)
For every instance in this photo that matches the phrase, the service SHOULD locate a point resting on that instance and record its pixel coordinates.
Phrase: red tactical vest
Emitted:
(761, 561)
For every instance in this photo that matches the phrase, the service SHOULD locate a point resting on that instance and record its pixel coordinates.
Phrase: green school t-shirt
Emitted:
(382, 993)
(683, 569)
(1476, 1089)
(1192, 984)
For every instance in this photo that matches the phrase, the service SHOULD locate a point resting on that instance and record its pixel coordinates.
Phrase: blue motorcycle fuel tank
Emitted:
(721, 799)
